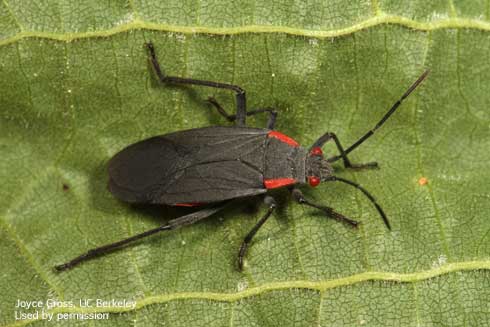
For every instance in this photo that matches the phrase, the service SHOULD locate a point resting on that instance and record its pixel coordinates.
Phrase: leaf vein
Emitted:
(320, 286)
(29, 257)
(137, 24)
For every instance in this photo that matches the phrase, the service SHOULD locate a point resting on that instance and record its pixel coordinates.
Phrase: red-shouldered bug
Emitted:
(212, 165)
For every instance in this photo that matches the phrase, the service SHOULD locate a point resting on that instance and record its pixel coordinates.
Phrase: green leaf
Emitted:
(75, 88)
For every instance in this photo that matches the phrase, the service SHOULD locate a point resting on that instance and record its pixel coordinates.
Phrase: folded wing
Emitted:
(201, 165)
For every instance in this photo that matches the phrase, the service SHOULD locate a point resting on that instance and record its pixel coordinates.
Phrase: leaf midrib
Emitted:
(453, 22)
(320, 286)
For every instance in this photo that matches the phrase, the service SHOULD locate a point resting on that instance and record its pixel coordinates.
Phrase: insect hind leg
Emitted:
(172, 224)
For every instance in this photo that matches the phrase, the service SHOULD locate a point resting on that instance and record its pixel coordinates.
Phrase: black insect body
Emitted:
(211, 164)
(208, 167)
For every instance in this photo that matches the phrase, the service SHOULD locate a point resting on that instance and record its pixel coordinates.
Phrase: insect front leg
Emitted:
(271, 203)
(231, 118)
(241, 103)
(343, 153)
(329, 212)
(347, 164)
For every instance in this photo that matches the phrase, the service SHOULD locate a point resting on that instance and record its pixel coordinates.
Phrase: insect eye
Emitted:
(316, 151)
(313, 180)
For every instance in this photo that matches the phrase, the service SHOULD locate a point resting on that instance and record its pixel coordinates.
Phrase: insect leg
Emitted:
(343, 154)
(379, 124)
(232, 118)
(271, 203)
(172, 224)
(241, 106)
(298, 196)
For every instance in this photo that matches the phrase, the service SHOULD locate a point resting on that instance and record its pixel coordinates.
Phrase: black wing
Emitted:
(195, 166)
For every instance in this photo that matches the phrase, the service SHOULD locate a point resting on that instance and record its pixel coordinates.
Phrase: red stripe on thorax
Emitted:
(278, 182)
(283, 138)
(188, 204)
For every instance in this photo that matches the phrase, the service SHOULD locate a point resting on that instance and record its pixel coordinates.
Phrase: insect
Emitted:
(208, 167)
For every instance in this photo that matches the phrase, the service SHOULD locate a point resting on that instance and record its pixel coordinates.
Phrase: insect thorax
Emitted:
(284, 161)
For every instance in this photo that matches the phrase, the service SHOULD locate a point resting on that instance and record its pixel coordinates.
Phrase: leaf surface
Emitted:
(75, 88)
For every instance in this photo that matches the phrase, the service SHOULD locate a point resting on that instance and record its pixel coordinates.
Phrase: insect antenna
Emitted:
(385, 118)
(366, 193)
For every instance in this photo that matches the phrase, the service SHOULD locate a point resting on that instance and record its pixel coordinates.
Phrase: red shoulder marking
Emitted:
(278, 182)
(188, 204)
(284, 138)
